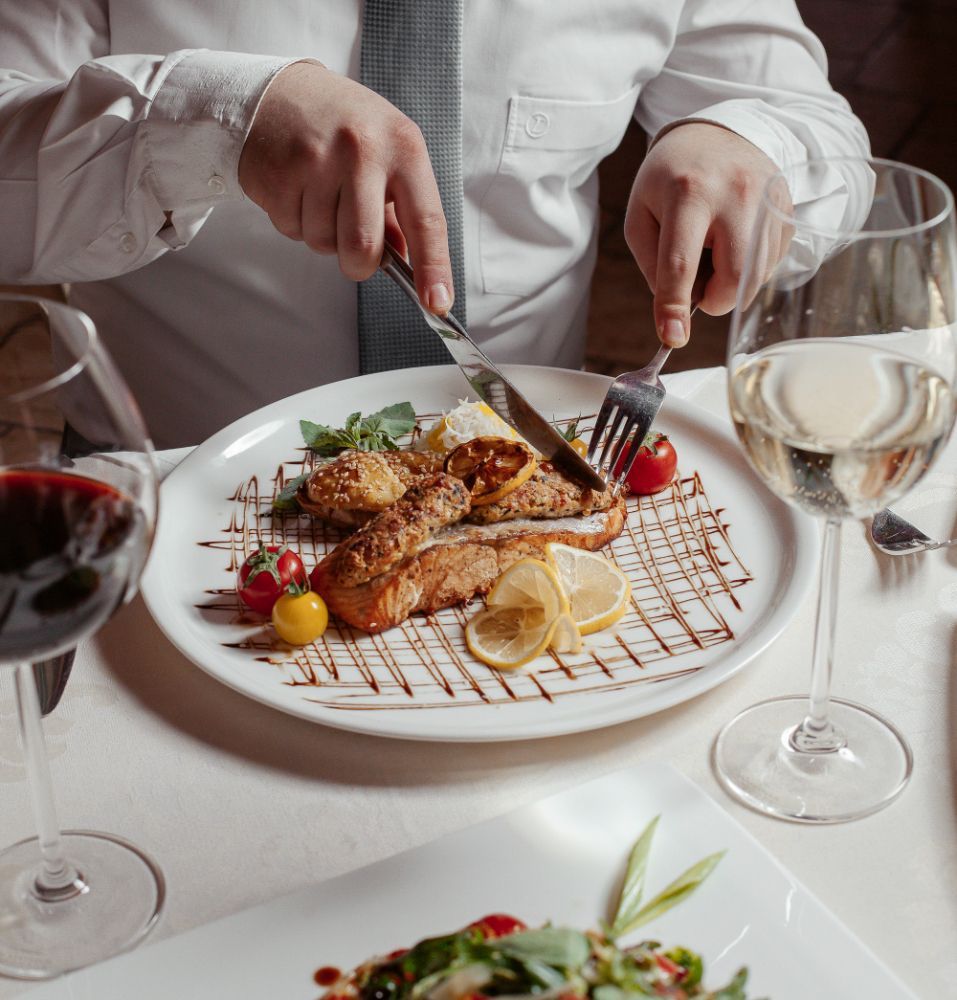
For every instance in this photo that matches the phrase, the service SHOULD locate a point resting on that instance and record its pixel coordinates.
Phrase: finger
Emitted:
(393, 231)
(642, 234)
(728, 254)
(285, 213)
(682, 238)
(418, 209)
(360, 223)
(319, 219)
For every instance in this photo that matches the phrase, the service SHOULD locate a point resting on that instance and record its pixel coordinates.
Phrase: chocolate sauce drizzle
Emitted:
(675, 549)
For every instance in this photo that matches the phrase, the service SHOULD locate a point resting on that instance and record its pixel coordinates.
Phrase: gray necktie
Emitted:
(412, 56)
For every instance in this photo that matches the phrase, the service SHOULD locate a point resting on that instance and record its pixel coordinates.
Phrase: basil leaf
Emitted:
(682, 887)
(323, 440)
(396, 420)
(633, 886)
(555, 946)
(376, 432)
(354, 425)
(285, 500)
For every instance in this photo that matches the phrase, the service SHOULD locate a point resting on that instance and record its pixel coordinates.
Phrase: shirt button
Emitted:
(127, 243)
(537, 125)
(216, 184)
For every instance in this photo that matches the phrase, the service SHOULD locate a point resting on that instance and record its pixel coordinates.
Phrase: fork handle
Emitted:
(658, 361)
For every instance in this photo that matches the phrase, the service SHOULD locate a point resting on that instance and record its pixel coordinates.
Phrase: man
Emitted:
(274, 179)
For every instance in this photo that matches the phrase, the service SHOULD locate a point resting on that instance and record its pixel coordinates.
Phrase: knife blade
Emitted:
(491, 385)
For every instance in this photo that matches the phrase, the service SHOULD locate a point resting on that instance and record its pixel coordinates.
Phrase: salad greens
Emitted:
(498, 957)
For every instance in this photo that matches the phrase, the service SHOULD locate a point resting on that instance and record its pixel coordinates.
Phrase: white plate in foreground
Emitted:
(559, 859)
(718, 568)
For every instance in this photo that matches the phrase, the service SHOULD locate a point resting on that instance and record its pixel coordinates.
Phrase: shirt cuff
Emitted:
(197, 123)
(749, 119)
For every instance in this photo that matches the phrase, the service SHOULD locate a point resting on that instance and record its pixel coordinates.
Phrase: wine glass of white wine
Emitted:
(841, 376)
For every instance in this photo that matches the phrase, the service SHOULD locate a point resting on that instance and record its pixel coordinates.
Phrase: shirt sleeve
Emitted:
(108, 161)
(753, 67)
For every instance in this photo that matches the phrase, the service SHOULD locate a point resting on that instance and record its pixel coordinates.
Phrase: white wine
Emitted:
(839, 427)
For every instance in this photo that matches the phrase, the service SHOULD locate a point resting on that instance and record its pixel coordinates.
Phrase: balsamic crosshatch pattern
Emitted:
(675, 549)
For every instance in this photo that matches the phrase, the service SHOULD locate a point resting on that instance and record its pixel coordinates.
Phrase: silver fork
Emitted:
(633, 401)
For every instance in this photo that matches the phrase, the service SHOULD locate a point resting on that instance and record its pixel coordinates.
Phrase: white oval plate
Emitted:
(718, 568)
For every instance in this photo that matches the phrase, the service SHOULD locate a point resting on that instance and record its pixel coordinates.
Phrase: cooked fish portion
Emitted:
(356, 485)
(546, 494)
(456, 564)
(398, 532)
(412, 465)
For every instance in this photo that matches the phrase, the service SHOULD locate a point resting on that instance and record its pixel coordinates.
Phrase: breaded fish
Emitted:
(547, 493)
(400, 531)
(356, 485)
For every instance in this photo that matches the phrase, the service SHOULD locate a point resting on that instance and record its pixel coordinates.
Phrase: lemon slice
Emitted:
(508, 637)
(596, 588)
(525, 607)
(529, 583)
(565, 637)
(491, 467)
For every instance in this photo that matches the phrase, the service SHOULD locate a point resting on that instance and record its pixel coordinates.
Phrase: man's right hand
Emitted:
(337, 166)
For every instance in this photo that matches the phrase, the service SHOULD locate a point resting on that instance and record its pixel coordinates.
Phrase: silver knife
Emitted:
(492, 386)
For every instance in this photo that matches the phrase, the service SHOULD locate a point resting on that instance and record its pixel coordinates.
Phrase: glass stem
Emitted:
(817, 734)
(56, 878)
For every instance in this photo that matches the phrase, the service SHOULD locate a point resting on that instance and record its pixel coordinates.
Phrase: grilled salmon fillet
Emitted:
(402, 529)
(457, 562)
(547, 493)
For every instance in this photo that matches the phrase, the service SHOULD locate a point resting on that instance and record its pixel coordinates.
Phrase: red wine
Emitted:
(69, 547)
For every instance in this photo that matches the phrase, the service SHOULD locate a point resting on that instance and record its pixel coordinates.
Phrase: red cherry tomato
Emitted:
(265, 575)
(497, 925)
(654, 467)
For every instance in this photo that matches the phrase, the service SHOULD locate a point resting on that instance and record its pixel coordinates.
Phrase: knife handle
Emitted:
(400, 271)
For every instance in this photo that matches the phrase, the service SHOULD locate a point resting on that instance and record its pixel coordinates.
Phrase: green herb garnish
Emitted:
(377, 432)
(629, 914)
(285, 500)
(570, 432)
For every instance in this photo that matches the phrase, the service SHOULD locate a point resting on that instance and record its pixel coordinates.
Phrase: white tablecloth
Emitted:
(239, 802)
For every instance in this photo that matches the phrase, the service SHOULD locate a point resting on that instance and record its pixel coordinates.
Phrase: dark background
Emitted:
(894, 61)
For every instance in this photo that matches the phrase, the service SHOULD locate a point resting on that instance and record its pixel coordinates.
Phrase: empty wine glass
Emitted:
(78, 497)
(841, 372)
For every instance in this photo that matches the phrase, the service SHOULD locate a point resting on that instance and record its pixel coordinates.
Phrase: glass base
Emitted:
(114, 906)
(757, 763)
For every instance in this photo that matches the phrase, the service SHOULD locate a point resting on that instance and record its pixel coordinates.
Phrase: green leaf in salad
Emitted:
(734, 990)
(556, 946)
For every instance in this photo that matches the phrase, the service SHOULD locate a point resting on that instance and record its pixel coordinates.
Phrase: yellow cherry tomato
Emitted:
(579, 446)
(300, 618)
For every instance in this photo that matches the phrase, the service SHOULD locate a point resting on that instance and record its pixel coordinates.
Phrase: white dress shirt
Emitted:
(122, 122)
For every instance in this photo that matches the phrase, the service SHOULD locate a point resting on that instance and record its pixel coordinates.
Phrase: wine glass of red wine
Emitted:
(78, 497)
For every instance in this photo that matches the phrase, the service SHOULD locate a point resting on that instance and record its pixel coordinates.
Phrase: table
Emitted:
(240, 803)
